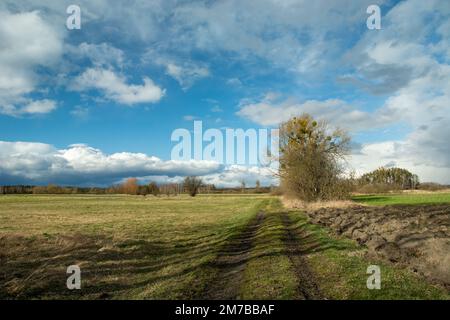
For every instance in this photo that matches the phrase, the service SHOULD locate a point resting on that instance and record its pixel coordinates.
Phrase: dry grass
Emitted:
(311, 206)
(427, 191)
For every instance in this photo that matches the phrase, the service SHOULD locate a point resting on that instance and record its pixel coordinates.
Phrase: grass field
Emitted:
(224, 246)
(405, 198)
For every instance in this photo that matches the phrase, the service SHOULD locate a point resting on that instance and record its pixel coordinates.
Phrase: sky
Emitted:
(97, 105)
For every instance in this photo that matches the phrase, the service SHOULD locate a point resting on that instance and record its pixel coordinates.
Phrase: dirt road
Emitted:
(236, 253)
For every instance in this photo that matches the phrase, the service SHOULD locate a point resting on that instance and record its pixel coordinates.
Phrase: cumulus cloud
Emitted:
(400, 154)
(114, 87)
(40, 106)
(30, 107)
(80, 164)
(38, 163)
(232, 176)
(402, 63)
(406, 63)
(270, 112)
(414, 71)
(27, 43)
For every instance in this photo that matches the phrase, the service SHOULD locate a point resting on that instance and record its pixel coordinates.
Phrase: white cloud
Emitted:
(27, 42)
(101, 55)
(232, 176)
(114, 87)
(80, 164)
(285, 33)
(407, 61)
(30, 107)
(403, 62)
(184, 70)
(27, 162)
(40, 106)
(400, 154)
(295, 35)
(186, 74)
(270, 113)
(229, 177)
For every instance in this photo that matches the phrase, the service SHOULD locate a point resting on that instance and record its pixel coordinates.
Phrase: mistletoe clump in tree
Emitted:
(311, 159)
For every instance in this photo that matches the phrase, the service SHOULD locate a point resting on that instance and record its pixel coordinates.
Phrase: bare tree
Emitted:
(192, 185)
(153, 189)
(130, 186)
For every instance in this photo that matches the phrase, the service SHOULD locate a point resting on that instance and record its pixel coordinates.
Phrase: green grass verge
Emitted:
(404, 199)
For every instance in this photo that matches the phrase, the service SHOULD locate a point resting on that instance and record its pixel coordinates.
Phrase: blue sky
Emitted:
(99, 104)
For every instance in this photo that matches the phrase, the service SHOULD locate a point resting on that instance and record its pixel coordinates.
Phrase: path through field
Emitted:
(234, 257)
(231, 262)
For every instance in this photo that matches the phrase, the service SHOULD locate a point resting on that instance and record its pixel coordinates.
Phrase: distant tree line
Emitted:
(398, 177)
(191, 185)
(385, 180)
(19, 189)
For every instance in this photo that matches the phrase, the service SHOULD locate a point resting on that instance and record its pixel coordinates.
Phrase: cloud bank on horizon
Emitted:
(97, 105)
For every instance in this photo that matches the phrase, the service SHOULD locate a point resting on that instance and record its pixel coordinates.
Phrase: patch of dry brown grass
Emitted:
(311, 206)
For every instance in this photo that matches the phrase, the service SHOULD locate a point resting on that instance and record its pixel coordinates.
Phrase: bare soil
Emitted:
(415, 236)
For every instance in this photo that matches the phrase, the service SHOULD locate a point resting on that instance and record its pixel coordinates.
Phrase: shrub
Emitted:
(310, 160)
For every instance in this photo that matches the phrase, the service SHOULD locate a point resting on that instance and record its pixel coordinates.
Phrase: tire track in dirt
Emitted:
(232, 261)
(307, 286)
